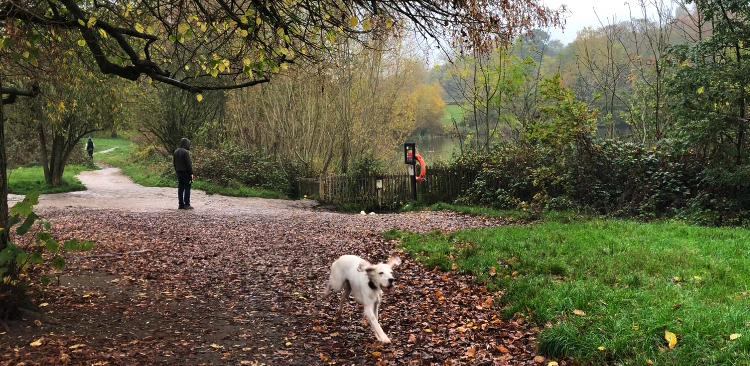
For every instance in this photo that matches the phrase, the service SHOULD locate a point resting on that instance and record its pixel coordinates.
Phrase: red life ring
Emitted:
(422, 168)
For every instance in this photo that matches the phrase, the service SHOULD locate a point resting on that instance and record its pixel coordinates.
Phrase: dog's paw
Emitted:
(385, 341)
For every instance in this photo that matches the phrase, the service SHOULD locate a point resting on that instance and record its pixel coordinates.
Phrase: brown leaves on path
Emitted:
(244, 289)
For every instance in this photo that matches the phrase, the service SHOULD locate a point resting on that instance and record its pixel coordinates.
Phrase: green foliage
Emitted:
(631, 281)
(611, 177)
(367, 164)
(711, 88)
(567, 117)
(233, 166)
(16, 258)
(723, 198)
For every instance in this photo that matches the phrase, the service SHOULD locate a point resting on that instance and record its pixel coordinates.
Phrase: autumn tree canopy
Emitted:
(186, 43)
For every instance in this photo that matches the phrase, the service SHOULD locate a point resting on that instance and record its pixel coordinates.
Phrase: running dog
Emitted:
(366, 283)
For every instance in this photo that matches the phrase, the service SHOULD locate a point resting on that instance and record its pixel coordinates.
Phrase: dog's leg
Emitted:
(326, 292)
(370, 312)
(347, 289)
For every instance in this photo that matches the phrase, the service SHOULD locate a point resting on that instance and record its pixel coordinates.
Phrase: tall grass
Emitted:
(631, 282)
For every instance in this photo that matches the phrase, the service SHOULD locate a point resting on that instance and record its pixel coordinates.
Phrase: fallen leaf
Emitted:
(492, 271)
(38, 323)
(539, 359)
(502, 349)
(649, 362)
(37, 342)
(376, 354)
(734, 336)
(552, 363)
(76, 346)
(488, 302)
(579, 312)
(64, 358)
(453, 266)
(43, 304)
(214, 345)
(412, 338)
(671, 338)
(470, 352)
(601, 348)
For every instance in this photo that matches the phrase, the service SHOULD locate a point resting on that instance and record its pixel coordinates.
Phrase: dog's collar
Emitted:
(372, 285)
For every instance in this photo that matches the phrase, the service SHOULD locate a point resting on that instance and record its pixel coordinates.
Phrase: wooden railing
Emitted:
(440, 185)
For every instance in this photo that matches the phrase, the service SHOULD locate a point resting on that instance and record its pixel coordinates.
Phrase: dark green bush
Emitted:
(617, 178)
(232, 165)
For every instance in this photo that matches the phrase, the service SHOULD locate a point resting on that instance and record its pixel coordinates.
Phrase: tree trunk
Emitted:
(3, 182)
(43, 153)
(741, 106)
(57, 161)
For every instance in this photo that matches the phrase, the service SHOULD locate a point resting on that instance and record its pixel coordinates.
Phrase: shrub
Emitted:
(611, 177)
(235, 165)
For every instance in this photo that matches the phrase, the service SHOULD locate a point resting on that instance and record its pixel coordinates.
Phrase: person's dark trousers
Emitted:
(183, 189)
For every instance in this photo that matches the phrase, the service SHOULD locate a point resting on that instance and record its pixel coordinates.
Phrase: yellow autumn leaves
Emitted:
(671, 338)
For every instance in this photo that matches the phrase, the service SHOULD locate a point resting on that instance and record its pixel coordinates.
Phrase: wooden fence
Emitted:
(440, 185)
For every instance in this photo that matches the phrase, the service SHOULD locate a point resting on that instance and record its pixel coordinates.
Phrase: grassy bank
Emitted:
(112, 150)
(605, 292)
(30, 179)
(452, 112)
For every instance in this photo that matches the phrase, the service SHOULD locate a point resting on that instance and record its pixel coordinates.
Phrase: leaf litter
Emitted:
(244, 288)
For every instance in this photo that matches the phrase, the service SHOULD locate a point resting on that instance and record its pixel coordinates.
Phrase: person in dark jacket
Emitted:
(90, 148)
(183, 166)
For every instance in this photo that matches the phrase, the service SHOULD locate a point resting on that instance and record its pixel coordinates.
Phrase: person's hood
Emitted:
(185, 143)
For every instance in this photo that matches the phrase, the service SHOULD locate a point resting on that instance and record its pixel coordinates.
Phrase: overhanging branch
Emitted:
(12, 93)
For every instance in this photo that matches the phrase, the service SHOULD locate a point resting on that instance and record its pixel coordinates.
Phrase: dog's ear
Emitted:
(394, 261)
(365, 266)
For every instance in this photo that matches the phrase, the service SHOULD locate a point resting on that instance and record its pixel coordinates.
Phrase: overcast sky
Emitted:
(582, 13)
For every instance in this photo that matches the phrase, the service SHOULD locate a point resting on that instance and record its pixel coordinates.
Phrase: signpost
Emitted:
(410, 152)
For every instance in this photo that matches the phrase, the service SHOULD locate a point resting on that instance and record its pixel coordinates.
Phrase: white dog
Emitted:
(365, 282)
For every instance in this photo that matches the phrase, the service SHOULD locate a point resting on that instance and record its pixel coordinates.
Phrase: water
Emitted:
(436, 148)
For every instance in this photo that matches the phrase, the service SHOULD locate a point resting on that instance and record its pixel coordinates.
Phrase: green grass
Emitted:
(633, 281)
(26, 180)
(212, 188)
(117, 157)
(452, 111)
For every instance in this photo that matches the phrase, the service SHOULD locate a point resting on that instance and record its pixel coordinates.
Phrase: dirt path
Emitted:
(236, 282)
(109, 189)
